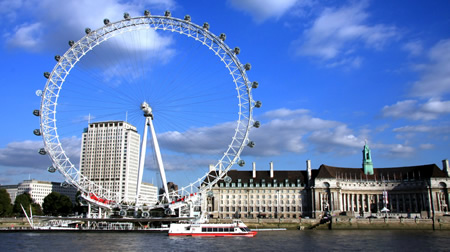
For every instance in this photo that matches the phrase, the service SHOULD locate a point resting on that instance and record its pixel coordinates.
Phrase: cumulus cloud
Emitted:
(396, 150)
(435, 78)
(410, 132)
(413, 48)
(426, 146)
(265, 9)
(339, 139)
(51, 24)
(334, 35)
(413, 110)
(25, 153)
(204, 140)
(282, 131)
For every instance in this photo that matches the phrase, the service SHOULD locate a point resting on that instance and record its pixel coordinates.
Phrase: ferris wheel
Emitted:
(185, 104)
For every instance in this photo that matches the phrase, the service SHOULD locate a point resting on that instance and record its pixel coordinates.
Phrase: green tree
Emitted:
(37, 209)
(5, 203)
(57, 204)
(24, 200)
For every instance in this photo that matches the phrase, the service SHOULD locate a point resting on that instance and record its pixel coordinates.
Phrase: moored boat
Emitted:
(236, 228)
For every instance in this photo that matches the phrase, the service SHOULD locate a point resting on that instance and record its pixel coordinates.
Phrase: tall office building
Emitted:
(110, 157)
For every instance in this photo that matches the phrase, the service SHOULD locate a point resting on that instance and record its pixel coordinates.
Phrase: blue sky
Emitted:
(331, 74)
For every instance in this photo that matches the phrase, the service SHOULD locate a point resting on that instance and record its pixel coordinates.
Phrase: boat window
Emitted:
(215, 229)
(210, 229)
(204, 229)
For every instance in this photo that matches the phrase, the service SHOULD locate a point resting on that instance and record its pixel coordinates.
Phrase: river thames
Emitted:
(317, 240)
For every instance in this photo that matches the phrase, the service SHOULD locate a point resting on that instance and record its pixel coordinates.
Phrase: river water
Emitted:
(314, 240)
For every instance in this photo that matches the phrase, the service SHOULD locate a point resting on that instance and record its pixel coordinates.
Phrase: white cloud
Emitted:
(427, 146)
(282, 131)
(336, 33)
(399, 150)
(204, 140)
(414, 48)
(413, 110)
(53, 23)
(418, 128)
(264, 9)
(338, 139)
(25, 153)
(28, 36)
(435, 79)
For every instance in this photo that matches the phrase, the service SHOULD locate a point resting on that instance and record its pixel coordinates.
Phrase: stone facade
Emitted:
(410, 192)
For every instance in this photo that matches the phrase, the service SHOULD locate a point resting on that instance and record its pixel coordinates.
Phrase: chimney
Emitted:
(212, 168)
(308, 168)
(254, 170)
(271, 169)
(445, 167)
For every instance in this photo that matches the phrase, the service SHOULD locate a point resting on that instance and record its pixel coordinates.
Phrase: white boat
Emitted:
(236, 228)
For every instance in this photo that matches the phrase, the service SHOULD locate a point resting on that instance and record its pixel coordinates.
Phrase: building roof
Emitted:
(279, 176)
(394, 173)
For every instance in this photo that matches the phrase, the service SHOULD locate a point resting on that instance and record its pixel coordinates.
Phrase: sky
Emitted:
(331, 74)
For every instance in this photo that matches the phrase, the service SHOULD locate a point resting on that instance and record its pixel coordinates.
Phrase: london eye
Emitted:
(129, 70)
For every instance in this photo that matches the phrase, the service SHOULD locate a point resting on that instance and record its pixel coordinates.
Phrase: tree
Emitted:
(56, 204)
(37, 209)
(24, 200)
(5, 203)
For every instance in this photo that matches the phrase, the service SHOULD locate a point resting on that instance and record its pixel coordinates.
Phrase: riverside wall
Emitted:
(344, 222)
(337, 223)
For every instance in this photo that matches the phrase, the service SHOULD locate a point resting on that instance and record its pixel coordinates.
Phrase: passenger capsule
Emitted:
(42, 151)
(146, 13)
(247, 67)
(255, 84)
(39, 93)
(36, 112)
(187, 18)
(206, 26)
(241, 163)
(227, 179)
(87, 30)
(251, 144)
(57, 58)
(123, 213)
(126, 15)
(237, 50)
(47, 75)
(71, 43)
(51, 169)
(65, 184)
(223, 36)
(258, 104)
(256, 124)
(106, 21)
(145, 214)
(167, 13)
(37, 132)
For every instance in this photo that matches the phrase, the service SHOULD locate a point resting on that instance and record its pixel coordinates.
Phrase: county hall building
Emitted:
(413, 191)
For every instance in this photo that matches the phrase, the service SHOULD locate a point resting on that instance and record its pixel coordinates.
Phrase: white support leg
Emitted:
(141, 164)
(159, 160)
